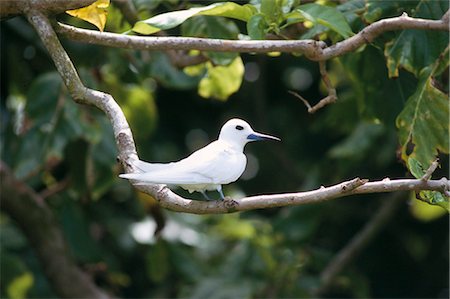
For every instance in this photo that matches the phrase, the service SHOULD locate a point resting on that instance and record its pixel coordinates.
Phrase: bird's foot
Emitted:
(230, 203)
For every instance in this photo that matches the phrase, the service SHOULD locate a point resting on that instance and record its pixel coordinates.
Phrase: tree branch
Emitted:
(171, 201)
(168, 199)
(38, 223)
(9, 8)
(329, 99)
(314, 50)
(81, 94)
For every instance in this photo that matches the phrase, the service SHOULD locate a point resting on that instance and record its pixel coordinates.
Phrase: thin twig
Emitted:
(301, 98)
(329, 99)
(430, 170)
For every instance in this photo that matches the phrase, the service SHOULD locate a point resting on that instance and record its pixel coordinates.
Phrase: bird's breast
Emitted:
(232, 168)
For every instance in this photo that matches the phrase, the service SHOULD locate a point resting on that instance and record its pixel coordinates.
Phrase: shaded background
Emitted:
(135, 250)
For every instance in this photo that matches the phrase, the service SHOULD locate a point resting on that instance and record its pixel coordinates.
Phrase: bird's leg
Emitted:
(219, 189)
(205, 195)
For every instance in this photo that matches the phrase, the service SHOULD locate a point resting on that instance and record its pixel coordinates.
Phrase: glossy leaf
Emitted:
(95, 13)
(221, 81)
(415, 49)
(424, 129)
(432, 197)
(172, 19)
(327, 16)
(257, 27)
(423, 123)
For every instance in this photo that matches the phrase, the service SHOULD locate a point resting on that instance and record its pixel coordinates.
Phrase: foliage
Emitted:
(393, 98)
(95, 13)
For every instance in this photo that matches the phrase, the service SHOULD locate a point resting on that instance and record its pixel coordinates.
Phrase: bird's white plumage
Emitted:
(220, 162)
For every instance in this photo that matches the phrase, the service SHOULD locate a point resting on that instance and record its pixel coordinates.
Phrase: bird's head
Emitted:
(239, 132)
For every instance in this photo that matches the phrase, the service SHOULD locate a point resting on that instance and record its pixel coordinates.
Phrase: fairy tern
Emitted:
(221, 162)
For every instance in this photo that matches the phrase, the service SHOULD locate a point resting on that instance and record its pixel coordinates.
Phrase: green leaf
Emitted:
(432, 197)
(381, 9)
(327, 16)
(435, 198)
(257, 27)
(213, 27)
(42, 98)
(423, 123)
(172, 19)
(20, 286)
(415, 167)
(271, 9)
(415, 49)
(221, 81)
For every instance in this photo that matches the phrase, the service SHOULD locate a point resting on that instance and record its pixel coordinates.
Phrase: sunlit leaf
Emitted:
(432, 197)
(426, 212)
(172, 19)
(20, 286)
(95, 13)
(221, 81)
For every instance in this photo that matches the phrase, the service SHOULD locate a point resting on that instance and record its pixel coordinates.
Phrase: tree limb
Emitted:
(170, 200)
(314, 50)
(38, 223)
(9, 8)
(80, 93)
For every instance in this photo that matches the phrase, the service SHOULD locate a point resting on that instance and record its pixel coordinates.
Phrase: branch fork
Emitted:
(329, 99)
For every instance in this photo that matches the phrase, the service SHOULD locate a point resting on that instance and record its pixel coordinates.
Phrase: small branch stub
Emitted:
(430, 170)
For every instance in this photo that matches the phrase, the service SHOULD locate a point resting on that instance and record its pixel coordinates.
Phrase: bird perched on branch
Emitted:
(221, 162)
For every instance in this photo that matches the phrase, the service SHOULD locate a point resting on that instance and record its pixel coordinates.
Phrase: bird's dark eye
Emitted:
(239, 128)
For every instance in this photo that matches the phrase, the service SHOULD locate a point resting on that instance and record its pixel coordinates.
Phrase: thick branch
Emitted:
(9, 8)
(38, 223)
(168, 199)
(81, 94)
(314, 50)
(172, 201)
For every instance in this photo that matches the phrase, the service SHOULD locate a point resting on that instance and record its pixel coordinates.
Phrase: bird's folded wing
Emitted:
(148, 167)
(206, 166)
(169, 177)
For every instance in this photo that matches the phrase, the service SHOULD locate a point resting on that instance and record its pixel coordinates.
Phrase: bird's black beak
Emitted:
(258, 136)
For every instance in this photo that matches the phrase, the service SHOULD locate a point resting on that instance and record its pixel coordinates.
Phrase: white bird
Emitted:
(221, 162)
